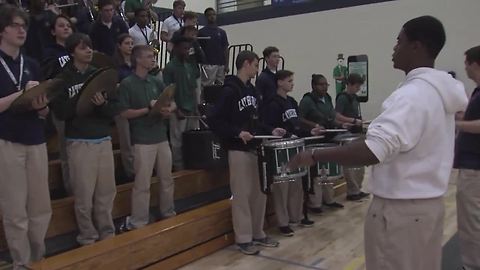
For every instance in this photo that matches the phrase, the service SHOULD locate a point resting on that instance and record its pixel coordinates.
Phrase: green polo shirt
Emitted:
(318, 109)
(132, 5)
(348, 105)
(183, 75)
(136, 93)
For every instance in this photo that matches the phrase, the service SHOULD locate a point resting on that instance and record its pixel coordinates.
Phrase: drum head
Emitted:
(103, 80)
(285, 143)
(51, 88)
(321, 145)
(347, 138)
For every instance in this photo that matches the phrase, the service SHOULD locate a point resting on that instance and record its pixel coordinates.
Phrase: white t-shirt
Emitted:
(413, 138)
(141, 36)
(170, 25)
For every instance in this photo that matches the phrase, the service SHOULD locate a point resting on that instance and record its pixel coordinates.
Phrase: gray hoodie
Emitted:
(414, 136)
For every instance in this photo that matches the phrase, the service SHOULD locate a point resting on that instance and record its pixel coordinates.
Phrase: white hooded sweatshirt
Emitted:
(414, 136)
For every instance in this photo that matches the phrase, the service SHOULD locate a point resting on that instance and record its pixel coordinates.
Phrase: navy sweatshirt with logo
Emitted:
(236, 111)
(283, 112)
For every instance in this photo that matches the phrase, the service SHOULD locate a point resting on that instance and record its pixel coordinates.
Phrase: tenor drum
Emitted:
(273, 157)
(325, 171)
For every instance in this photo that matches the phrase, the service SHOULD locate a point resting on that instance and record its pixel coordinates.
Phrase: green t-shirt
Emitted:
(337, 72)
(136, 93)
(183, 75)
(348, 105)
(132, 5)
(318, 109)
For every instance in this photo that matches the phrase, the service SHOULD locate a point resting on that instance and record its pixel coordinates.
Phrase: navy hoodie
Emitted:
(236, 111)
(55, 58)
(283, 112)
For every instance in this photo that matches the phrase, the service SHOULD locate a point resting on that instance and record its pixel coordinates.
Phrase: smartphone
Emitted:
(359, 64)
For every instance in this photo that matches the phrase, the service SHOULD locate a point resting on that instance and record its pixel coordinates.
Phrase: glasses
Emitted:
(19, 26)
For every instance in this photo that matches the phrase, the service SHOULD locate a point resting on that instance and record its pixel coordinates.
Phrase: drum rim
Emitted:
(316, 145)
(348, 138)
(290, 176)
(284, 143)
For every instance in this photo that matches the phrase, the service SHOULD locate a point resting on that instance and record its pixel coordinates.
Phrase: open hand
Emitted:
(40, 102)
(98, 99)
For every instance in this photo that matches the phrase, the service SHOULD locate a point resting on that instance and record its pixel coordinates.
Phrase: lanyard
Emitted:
(144, 34)
(178, 21)
(18, 83)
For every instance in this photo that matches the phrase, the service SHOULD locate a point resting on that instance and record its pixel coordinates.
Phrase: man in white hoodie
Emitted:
(411, 144)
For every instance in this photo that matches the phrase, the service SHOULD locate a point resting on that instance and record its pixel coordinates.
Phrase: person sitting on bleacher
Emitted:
(25, 201)
(137, 94)
(184, 75)
(89, 146)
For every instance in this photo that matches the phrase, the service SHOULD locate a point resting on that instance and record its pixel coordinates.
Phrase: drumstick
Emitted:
(204, 37)
(367, 122)
(313, 138)
(266, 137)
(336, 130)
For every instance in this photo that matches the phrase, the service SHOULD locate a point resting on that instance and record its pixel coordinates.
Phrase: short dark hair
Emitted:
(269, 50)
(189, 15)
(316, 78)
(472, 55)
(243, 56)
(177, 3)
(355, 78)
(187, 28)
(283, 74)
(139, 10)
(137, 51)
(103, 3)
(180, 39)
(207, 10)
(427, 30)
(56, 18)
(8, 13)
(76, 39)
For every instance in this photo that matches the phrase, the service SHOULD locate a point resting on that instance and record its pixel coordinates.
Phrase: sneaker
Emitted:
(307, 223)
(354, 197)
(363, 195)
(266, 242)
(286, 231)
(248, 248)
(315, 210)
(334, 205)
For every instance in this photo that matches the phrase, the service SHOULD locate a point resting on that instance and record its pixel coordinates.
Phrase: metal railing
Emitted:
(233, 52)
(234, 5)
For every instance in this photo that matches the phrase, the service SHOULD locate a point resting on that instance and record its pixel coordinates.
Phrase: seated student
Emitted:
(122, 59)
(25, 205)
(137, 94)
(281, 110)
(347, 105)
(89, 146)
(184, 75)
(235, 121)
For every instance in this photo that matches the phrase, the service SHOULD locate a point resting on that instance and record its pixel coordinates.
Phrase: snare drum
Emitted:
(327, 171)
(273, 157)
(347, 138)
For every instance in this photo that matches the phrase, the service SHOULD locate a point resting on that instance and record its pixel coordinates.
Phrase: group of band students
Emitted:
(25, 203)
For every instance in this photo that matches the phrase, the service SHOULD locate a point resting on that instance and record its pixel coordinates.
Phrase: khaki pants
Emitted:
(62, 146)
(177, 127)
(248, 204)
(146, 158)
(288, 202)
(323, 194)
(354, 178)
(93, 182)
(404, 234)
(24, 200)
(213, 74)
(468, 215)
(126, 148)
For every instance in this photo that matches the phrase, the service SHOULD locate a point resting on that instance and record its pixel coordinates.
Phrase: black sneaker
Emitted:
(315, 210)
(266, 242)
(354, 197)
(286, 231)
(307, 223)
(248, 248)
(334, 205)
(363, 195)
